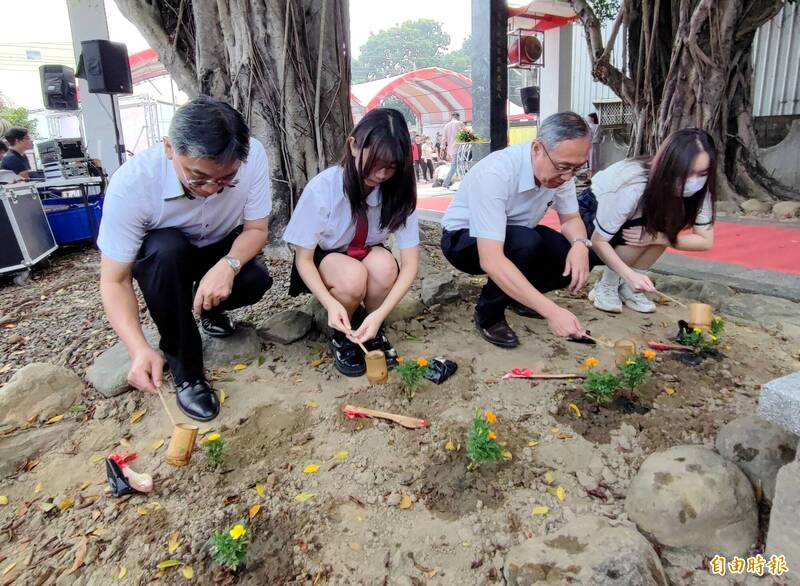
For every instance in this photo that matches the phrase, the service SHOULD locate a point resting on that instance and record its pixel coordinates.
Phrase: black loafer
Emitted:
(197, 400)
(347, 356)
(216, 324)
(500, 333)
(523, 311)
(381, 342)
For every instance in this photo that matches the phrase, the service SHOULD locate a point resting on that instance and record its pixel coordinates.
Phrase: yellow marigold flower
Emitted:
(237, 531)
(697, 331)
(422, 363)
(712, 337)
(492, 435)
(213, 437)
(717, 319)
(400, 360)
(649, 354)
(490, 417)
(629, 361)
(591, 361)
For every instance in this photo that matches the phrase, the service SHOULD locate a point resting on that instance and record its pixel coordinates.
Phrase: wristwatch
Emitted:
(234, 263)
(585, 241)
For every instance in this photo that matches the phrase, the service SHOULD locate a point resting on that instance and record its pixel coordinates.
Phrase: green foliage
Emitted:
(700, 340)
(482, 443)
(226, 549)
(459, 60)
(20, 117)
(215, 452)
(717, 326)
(634, 372)
(605, 9)
(411, 373)
(77, 408)
(466, 135)
(600, 386)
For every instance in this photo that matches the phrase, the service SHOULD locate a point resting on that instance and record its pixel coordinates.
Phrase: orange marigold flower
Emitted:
(492, 435)
(591, 361)
(490, 417)
(400, 360)
(649, 354)
(421, 362)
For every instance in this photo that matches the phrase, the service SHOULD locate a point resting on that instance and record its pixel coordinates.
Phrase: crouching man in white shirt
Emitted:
(187, 220)
(491, 228)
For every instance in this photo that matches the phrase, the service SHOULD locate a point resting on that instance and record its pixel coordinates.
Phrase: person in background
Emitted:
(6, 176)
(19, 142)
(634, 209)
(339, 231)
(594, 154)
(427, 158)
(449, 132)
(441, 147)
(492, 227)
(416, 154)
(188, 220)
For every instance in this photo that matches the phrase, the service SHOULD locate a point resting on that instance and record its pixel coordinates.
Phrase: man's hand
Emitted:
(637, 236)
(147, 370)
(563, 323)
(214, 288)
(577, 266)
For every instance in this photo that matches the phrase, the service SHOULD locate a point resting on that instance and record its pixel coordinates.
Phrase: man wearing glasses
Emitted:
(491, 228)
(187, 220)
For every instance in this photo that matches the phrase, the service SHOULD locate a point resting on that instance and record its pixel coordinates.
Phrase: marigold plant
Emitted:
(634, 372)
(411, 373)
(482, 443)
(215, 450)
(229, 547)
(599, 386)
(701, 340)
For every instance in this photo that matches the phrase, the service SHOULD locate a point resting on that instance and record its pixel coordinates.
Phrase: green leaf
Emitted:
(169, 564)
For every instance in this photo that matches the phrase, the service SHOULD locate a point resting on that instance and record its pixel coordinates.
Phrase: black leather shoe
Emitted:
(216, 324)
(381, 342)
(500, 334)
(347, 356)
(197, 400)
(523, 311)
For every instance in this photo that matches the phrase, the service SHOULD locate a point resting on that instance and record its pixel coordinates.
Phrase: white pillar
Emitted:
(87, 20)
(556, 84)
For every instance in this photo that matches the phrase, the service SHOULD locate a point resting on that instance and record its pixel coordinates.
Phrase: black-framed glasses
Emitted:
(200, 183)
(561, 169)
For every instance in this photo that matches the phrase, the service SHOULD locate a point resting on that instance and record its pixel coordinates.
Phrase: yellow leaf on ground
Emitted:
(575, 409)
(554, 430)
(669, 391)
(310, 469)
(55, 419)
(8, 568)
(305, 496)
(47, 507)
(124, 443)
(187, 572)
(222, 396)
(341, 456)
(254, 511)
(80, 556)
(174, 542)
(450, 446)
(137, 415)
(539, 510)
(355, 546)
(317, 361)
(405, 502)
(3, 499)
(123, 571)
(38, 488)
(238, 367)
(97, 458)
(157, 444)
(311, 405)
(168, 564)
(507, 455)
(548, 477)
(533, 443)
(66, 503)
(84, 486)
(558, 492)
(260, 489)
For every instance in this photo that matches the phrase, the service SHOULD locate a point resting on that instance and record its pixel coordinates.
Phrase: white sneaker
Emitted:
(636, 301)
(605, 297)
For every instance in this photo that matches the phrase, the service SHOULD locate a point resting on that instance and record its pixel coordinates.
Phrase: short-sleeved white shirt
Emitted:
(323, 217)
(145, 194)
(500, 190)
(619, 189)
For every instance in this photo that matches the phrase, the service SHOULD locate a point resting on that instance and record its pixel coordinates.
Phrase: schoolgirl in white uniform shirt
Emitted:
(339, 229)
(638, 207)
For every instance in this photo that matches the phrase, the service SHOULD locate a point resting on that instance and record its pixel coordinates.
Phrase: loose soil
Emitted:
(283, 412)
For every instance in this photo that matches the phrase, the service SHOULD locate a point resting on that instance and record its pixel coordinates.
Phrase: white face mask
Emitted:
(693, 185)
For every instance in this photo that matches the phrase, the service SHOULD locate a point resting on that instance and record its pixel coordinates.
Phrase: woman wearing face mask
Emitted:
(339, 229)
(634, 209)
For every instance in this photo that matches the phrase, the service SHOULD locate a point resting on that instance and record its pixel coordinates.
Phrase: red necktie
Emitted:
(358, 249)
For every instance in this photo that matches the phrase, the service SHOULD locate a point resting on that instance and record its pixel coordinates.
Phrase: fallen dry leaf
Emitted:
(124, 443)
(3, 499)
(254, 511)
(187, 572)
(304, 496)
(123, 571)
(406, 502)
(533, 443)
(80, 556)
(669, 391)
(310, 469)
(450, 446)
(137, 415)
(55, 419)
(174, 542)
(316, 362)
(341, 455)
(260, 490)
(558, 492)
(66, 503)
(97, 458)
(355, 546)
(46, 507)
(311, 405)
(157, 444)
(168, 564)
(548, 477)
(38, 488)
(8, 568)
(238, 367)
(539, 510)
(507, 455)
(554, 430)
(222, 396)
(575, 409)
(84, 486)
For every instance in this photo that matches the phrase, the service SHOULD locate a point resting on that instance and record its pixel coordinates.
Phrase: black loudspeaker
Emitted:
(530, 99)
(58, 87)
(105, 67)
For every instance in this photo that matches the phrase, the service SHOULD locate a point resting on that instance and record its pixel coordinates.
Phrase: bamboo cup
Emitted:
(700, 315)
(181, 444)
(623, 349)
(377, 373)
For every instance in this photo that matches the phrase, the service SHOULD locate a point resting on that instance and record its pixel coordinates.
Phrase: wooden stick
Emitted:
(404, 420)
(554, 376)
(596, 341)
(164, 402)
(668, 346)
(672, 299)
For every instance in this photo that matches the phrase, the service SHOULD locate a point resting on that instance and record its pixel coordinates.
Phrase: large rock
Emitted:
(588, 550)
(39, 389)
(770, 311)
(410, 306)
(783, 537)
(786, 210)
(242, 346)
(29, 444)
(691, 500)
(287, 326)
(109, 373)
(779, 402)
(439, 287)
(755, 206)
(319, 316)
(759, 448)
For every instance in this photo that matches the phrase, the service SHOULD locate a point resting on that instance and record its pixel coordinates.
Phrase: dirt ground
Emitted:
(283, 412)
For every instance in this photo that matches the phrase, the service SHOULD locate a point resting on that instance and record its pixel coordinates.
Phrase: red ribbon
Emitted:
(123, 458)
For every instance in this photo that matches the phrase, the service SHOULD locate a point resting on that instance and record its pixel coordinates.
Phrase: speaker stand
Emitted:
(119, 146)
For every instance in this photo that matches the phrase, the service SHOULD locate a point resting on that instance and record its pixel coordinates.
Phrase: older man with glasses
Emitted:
(188, 220)
(492, 227)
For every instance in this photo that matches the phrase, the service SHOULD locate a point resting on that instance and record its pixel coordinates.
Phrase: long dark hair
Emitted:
(384, 132)
(664, 208)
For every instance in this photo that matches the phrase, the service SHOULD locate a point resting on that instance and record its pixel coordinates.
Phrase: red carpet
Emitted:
(754, 246)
